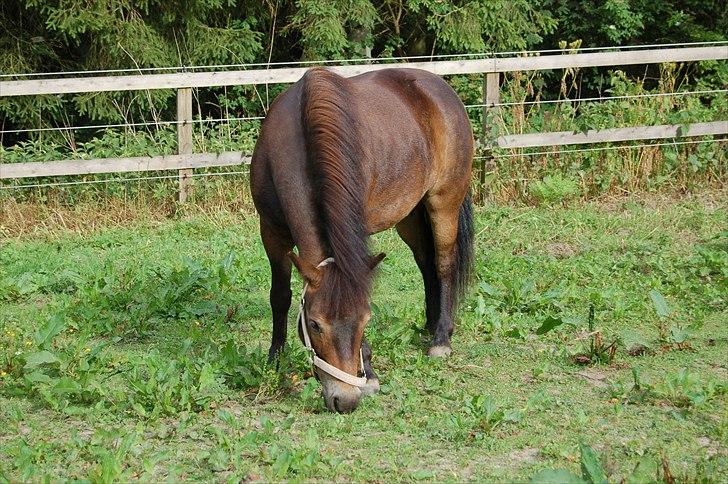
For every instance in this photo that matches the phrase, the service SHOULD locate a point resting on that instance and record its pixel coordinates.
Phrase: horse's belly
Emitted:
(389, 204)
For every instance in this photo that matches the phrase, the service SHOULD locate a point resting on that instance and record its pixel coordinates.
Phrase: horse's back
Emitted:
(413, 130)
(417, 105)
(419, 141)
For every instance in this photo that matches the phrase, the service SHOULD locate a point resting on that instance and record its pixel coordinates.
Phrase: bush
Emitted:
(553, 189)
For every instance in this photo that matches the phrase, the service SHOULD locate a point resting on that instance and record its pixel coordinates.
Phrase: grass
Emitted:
(136, 351)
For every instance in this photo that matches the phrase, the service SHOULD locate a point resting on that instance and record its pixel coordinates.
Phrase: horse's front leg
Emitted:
(372, 385)
(277, 248)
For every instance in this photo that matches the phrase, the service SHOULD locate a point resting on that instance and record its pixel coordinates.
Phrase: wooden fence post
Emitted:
(491, 98)
(184, 138)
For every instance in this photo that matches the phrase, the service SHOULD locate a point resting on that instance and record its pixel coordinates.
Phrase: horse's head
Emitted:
(335, 328)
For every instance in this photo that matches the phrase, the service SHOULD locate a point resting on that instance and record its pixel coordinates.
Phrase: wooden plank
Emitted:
(184, 139)
(597, 59)
(121, 165)
(612, 135)
(292, 74)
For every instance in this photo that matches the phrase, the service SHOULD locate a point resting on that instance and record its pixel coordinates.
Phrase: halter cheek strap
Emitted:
(319, 363)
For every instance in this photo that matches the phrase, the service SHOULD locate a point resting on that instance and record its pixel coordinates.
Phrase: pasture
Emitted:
(136, 350)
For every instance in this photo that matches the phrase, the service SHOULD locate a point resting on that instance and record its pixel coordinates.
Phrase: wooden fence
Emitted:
(185, 161)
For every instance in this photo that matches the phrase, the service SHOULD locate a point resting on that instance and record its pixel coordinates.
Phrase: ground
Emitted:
(136, 351)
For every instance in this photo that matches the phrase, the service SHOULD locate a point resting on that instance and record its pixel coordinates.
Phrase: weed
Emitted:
(592, 471)
(685, 389)
(599, 352)
(554, 188)
(137, 303)
(637, 392)
(483, 415)
(162, 386)
(62, 374)
(682, 389)
(675, 335)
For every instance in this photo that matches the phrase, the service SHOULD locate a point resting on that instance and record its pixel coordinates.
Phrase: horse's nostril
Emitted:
(336, 404)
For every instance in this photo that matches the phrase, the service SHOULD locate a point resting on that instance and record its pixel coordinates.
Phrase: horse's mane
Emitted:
(334, 156)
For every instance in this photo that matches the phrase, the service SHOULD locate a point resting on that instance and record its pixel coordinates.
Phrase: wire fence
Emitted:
(467, 106)
(489, 152)
(559, 151)
(7, 184)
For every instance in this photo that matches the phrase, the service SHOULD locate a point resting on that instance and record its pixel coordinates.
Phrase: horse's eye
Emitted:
(314, 325)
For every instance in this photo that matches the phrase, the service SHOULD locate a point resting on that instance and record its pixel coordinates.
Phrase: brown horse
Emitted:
(339, 159)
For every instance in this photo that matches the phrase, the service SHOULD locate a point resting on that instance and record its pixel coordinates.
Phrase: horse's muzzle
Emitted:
(340, 397)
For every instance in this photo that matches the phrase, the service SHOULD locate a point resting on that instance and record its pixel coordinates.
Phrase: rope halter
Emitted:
(357, 381)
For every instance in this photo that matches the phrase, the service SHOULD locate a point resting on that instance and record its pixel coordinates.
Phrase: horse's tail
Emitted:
(334, 156)
(464, 246)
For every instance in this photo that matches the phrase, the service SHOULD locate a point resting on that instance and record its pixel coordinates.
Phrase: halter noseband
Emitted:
(357, 381)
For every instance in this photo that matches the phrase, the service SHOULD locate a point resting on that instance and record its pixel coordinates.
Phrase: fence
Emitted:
(186, 161)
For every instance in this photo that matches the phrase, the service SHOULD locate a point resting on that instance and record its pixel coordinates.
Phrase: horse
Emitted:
(339, 159)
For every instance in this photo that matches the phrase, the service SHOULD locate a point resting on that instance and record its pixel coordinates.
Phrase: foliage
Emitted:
(68, 36)
(479, 25)
(553, 188)
(481, 416)
(160, 386)
(60, 35)
(623, 22)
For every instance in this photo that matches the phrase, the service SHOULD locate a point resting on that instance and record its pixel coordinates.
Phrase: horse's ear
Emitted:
(309, 272)
(375, 260)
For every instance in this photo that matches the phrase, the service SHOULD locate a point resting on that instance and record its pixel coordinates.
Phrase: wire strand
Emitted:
(606, 98)
(362, 59)
(121, 180)
(124, 125)
(601, 148)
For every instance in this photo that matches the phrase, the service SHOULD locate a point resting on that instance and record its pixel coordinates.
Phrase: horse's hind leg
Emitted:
(443, 210)
(277, 248)
(416, 232)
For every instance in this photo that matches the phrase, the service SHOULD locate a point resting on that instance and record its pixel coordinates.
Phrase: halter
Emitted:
(357, 381)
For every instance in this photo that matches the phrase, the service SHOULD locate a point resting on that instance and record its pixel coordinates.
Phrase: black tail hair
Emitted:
(464, 246)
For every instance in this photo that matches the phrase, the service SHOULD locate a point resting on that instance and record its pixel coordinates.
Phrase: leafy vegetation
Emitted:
(53, 35)
(137, 350)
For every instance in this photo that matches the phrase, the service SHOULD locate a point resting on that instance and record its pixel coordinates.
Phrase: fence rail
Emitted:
(185, 161)
(292, 74)
(612, 135)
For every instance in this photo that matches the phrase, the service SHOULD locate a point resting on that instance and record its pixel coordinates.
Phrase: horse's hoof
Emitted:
(439, 351)
(371, 387)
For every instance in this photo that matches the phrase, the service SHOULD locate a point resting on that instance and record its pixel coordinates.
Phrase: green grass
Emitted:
(137, 352)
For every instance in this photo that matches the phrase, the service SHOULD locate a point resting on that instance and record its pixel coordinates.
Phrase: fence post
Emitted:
(184, 138)
(491, 98)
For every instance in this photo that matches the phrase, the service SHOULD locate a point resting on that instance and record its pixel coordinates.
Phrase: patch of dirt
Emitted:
(639, 350)
(688, 238)
(711, 447)
(721, 370)
(515, 458)
(529, 455)
(594, 376)
(561, 250)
